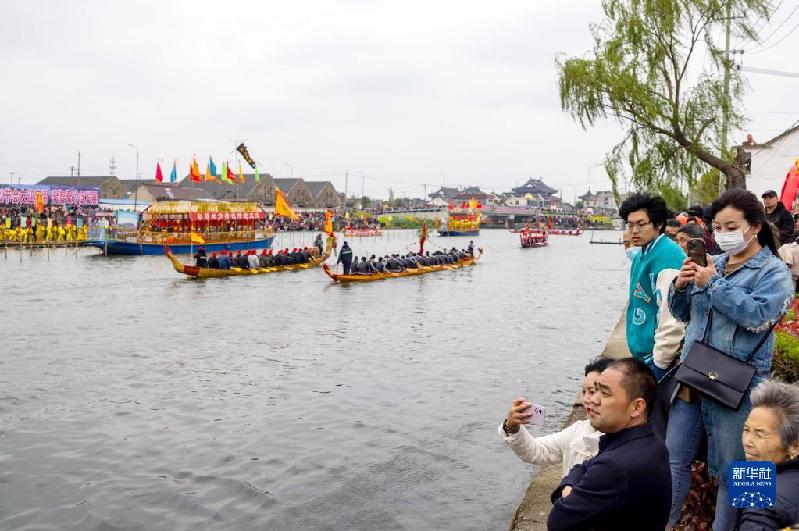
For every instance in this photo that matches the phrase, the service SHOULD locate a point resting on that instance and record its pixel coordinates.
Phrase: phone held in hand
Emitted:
(538, 415)
(697, 251)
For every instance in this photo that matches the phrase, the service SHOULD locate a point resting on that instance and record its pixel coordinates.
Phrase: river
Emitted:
(133, 398)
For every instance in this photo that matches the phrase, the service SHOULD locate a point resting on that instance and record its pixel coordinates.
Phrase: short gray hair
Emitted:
(693, 230)
(783, 399)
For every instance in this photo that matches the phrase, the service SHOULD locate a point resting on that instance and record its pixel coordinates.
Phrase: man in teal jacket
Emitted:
(653, 334)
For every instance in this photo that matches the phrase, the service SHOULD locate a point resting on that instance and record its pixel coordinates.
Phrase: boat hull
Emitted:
(459, 233)
(120, 247)
(208, 272)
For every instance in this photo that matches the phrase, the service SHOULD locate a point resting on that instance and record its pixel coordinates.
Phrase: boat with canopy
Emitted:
(186, 225)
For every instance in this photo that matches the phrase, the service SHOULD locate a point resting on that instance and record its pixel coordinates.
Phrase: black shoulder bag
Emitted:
(716, 374)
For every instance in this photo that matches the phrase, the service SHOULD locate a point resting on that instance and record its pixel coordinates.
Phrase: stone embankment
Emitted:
(531, 515)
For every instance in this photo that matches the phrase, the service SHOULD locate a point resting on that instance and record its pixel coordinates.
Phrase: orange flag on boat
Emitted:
(195, 172)
(282, 207)
(329, 222)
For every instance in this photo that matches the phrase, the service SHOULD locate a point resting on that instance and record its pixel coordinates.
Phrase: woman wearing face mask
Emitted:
(732, 304)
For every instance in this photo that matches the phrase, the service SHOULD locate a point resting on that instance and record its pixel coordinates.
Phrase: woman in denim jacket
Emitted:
(747, 289)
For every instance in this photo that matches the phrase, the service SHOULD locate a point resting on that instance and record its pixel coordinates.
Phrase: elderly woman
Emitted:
(730, 305)
(771, 433)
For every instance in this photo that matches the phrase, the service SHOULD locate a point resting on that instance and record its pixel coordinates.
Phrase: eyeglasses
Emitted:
(640, 225)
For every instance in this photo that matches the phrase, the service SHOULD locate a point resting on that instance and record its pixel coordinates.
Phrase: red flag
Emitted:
(423, 237)
(159, 175)
(549, 222)
(790, 187)
(230, 175)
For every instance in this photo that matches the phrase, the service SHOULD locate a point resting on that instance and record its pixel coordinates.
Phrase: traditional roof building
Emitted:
(324, 194)
(535, 187)
(603, 200)
(296, 191)
(261, 192)
(110, 187)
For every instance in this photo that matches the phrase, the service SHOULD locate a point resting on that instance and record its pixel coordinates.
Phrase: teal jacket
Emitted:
(653, 334)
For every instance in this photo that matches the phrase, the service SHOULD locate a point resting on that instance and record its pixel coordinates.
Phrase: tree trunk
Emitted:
(735, 177)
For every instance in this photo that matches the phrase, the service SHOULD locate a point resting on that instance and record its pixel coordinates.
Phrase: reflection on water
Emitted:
(132, 398)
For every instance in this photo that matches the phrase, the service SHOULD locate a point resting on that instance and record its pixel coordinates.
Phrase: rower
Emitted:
(380, 266)
(252, 260)
(201, 260)
(470, 249)
(224, 262)
(213, 262)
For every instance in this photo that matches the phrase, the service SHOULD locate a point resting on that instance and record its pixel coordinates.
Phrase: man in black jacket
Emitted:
(778, 216)
(627, 485)
(345, 258)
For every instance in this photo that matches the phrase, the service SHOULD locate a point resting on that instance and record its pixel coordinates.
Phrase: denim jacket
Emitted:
(745, 304)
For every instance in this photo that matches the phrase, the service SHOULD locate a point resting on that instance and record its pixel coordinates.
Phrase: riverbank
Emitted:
(531, 515)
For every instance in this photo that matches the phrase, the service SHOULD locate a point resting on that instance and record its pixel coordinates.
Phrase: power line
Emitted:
(779, 41)
(778, 28)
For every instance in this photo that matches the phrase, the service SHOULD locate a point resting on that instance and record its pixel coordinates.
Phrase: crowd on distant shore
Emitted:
(707, 286)
(52, 225)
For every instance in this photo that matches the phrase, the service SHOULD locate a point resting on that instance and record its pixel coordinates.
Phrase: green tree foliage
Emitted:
(647, 71)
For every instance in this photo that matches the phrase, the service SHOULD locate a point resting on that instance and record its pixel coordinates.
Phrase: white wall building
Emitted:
(771, 161)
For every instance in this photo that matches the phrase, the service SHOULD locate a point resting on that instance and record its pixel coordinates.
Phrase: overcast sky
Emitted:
(405, 93)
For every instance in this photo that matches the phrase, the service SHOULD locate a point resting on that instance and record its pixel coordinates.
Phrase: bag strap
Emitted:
(759, 343)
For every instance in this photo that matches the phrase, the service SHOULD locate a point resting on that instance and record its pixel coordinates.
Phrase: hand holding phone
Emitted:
(697, 251)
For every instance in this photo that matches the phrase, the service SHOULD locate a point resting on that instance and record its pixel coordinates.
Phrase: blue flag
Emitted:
(173, 176)
(211, 165)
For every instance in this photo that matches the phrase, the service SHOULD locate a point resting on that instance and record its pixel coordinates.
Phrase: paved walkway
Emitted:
(531, 515)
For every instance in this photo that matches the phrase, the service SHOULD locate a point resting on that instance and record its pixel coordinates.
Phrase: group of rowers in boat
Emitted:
(252, 260)
(396, 263)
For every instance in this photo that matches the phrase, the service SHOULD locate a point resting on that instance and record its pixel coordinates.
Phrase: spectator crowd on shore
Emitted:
(697, 396)
(54, 224)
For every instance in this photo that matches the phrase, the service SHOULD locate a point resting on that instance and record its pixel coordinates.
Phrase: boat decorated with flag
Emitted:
(186, 225)
(462, 220)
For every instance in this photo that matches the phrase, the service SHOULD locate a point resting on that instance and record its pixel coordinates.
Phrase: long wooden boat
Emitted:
(553, 232)
(186, 225)
(192, 271)
(422, 270)
(362, 233)
(530, 240)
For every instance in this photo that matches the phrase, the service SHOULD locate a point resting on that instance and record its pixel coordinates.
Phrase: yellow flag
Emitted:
(197, 238)
(282, 207)
(328, 222)
(241, 175)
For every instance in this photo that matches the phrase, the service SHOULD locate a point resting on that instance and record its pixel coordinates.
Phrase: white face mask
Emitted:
(632, 252)
(732, 242)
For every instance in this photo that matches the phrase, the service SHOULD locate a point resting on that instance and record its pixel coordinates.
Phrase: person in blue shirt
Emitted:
(224, 262)
(732, 304)
(653, 334)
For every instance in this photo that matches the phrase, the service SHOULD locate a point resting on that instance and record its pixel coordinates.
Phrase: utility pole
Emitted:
(12, 178)
(78, 181)
(346, 182)
(363, 184)
(725, 108)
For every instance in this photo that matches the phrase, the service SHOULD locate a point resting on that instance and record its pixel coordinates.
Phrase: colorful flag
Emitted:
(329, 222)
(209, 175)
(282, 207)
(212, 165)
(257, 175)
(159, 175)
(195, 172)
(241, 175)
(223, 172)
(173, 175)
(38, 201)
(231, 177)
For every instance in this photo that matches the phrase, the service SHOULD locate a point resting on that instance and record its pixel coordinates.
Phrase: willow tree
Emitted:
(656, 67)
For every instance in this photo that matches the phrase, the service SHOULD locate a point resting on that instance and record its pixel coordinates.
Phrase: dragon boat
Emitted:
(362, 233)
(530, 240)
(552, 232)
(193, 271)
(421, 270)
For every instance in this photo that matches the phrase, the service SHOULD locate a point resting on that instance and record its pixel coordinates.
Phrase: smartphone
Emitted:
(538, 414)
(697, 251)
